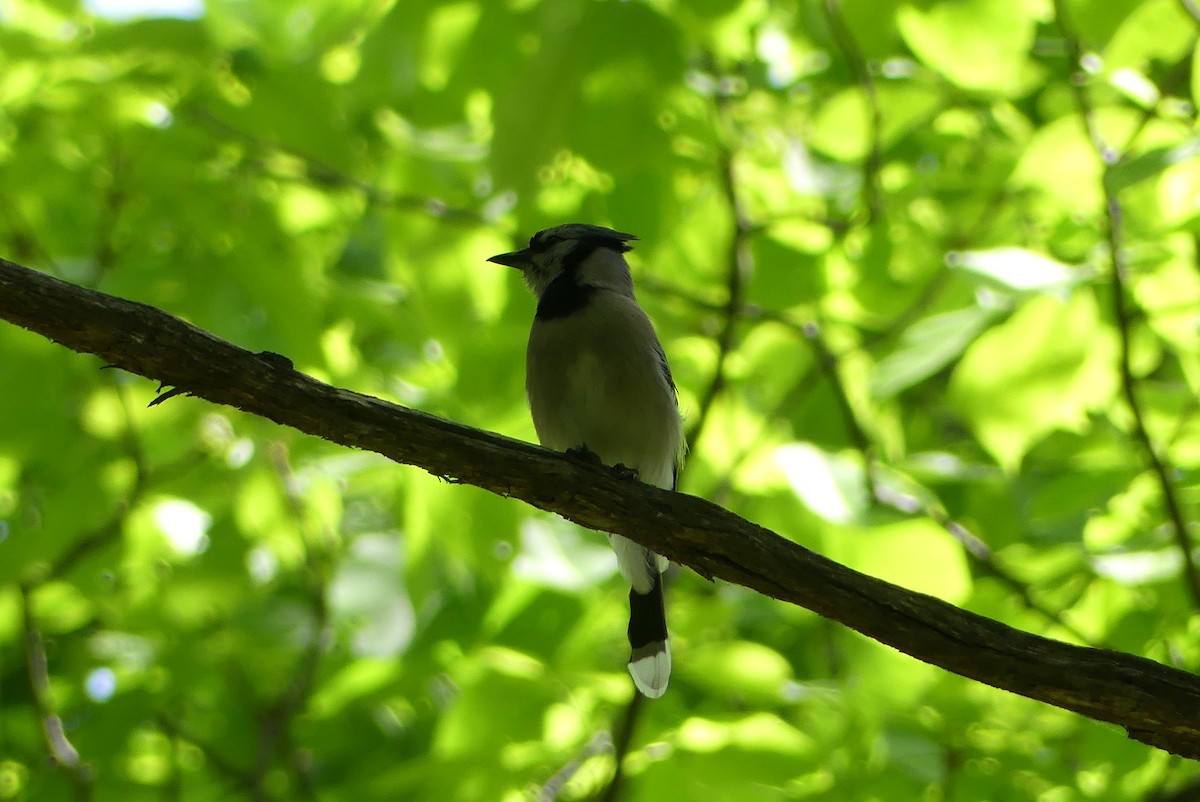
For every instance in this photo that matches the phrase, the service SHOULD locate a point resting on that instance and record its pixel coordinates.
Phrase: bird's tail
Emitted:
(650, 658)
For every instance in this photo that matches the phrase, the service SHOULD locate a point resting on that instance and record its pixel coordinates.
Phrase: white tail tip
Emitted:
(650, 666)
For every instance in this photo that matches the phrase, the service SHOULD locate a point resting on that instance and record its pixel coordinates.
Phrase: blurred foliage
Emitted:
(876, 243)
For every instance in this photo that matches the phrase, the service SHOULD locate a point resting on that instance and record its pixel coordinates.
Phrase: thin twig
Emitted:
(300, 761)
(173, 787)
(1158, 463)
(212, 756)
(748, 312)
(601, 742)
(825, 359)
(981, 553)
(796, 395)
(621, 746)
(1124, 310)
(104, 256)
(741, 266)
(1123, 316)
(24, 241)
(872, 190)
(275, 725)
(58, 746)
(828, 363)
(321, 173)
(953, 759)
(873, 341)
(110, 531)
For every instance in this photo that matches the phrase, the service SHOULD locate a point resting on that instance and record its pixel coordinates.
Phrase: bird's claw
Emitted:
(276, 360)
(584, 454)
(625, 472)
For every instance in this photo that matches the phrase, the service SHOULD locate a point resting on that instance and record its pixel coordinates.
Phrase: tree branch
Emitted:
(1155, 704)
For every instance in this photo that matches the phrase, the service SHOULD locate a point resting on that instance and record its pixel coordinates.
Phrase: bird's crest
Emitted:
(547, 238)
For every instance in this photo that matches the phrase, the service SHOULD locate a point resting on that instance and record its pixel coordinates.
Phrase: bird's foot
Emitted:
(584, 454)
(276, 360)
(625, 472)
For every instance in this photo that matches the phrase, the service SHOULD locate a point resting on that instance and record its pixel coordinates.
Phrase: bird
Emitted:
(598, 383)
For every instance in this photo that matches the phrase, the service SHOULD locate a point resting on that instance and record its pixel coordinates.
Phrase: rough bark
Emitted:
(1155, 704)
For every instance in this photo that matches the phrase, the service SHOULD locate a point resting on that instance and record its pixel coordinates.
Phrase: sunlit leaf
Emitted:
(230, 609)
(927, 347)
(1130, 171)
(1018, 269)
(1045, 368)
(975, 43)
(1139, 567)
(747, 670)
(367, 596)
(919, 555)
(831, 485)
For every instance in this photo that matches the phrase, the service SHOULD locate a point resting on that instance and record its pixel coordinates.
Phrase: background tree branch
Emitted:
(1155, 704)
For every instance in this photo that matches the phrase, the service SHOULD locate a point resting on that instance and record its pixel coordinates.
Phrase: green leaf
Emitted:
(1045, 368)
(977, 44)
(744, 670)
(918, 555)
(1060, 161)
(927, 347)
(831, 485)
(1019, 270)
(1133, 170)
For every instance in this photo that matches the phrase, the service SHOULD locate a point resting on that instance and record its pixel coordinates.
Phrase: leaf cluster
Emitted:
(927, 277)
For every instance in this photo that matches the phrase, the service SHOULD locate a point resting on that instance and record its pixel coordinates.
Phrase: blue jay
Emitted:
(598, 382)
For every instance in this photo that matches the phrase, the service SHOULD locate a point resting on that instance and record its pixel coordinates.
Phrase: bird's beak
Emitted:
(519, 259)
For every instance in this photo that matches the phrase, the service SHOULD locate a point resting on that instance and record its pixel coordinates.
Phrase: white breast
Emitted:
(594, 378)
